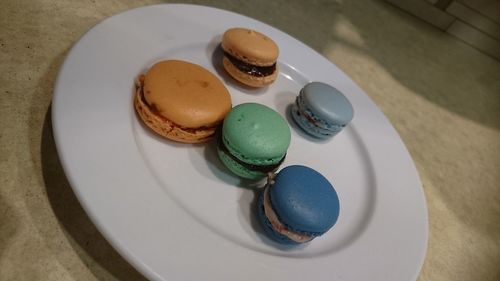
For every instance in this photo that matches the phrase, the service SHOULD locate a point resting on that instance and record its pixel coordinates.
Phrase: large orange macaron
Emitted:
(181, 101)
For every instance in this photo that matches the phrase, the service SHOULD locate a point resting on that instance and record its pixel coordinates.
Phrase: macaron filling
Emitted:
(250, 69)
(278, 226)
(252, 167)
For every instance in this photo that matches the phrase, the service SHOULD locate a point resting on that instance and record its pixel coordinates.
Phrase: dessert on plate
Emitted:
(297, 205)
(253, 140)
(321, 110)
(250, 56)
(181, 101)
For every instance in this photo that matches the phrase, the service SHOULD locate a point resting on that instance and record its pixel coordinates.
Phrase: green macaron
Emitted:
(254, 140)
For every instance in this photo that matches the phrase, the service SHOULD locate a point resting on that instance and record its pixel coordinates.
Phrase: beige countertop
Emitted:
(441, 95)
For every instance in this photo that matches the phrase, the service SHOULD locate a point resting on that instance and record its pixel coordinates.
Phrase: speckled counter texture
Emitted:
(441, 95)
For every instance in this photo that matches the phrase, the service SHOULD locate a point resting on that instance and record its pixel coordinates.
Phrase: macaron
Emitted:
(321, 110)
(181, 101)
(253, 141)
(250, 56)
(298, 205)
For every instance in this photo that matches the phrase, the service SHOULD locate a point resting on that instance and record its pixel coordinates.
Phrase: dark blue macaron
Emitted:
(298, 205)
(321, 110)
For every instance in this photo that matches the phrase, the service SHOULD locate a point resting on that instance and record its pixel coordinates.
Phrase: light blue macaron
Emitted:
(321, 110)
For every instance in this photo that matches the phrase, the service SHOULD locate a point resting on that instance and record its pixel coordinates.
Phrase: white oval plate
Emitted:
(175, 213)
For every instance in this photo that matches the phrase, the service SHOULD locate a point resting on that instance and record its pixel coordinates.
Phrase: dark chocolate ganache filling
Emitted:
(258, 71)
(257, 168)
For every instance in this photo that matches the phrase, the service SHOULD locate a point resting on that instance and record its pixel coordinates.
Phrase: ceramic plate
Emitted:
(175, 213)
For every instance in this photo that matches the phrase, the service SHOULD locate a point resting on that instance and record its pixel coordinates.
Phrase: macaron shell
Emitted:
(250, 46)
(167, 129)
(256, 134)
(327, 103)
(304, 200)
(237, 168)
(248, 79)
(308, 126)
(186, 94)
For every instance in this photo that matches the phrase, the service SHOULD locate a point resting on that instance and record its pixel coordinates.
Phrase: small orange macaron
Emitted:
(250, 56)
(181, 101)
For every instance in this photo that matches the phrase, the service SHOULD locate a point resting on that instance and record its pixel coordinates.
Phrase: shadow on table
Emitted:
(9, 223)
(427, 61)
(71, 215)
(460, 80)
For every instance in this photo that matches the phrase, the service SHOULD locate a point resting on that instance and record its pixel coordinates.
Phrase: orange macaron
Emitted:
(181, 101)
(250, 56)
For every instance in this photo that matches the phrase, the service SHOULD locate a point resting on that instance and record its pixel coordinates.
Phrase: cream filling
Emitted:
(278, 226)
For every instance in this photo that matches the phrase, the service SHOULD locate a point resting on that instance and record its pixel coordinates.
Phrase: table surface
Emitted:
(441, 95)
